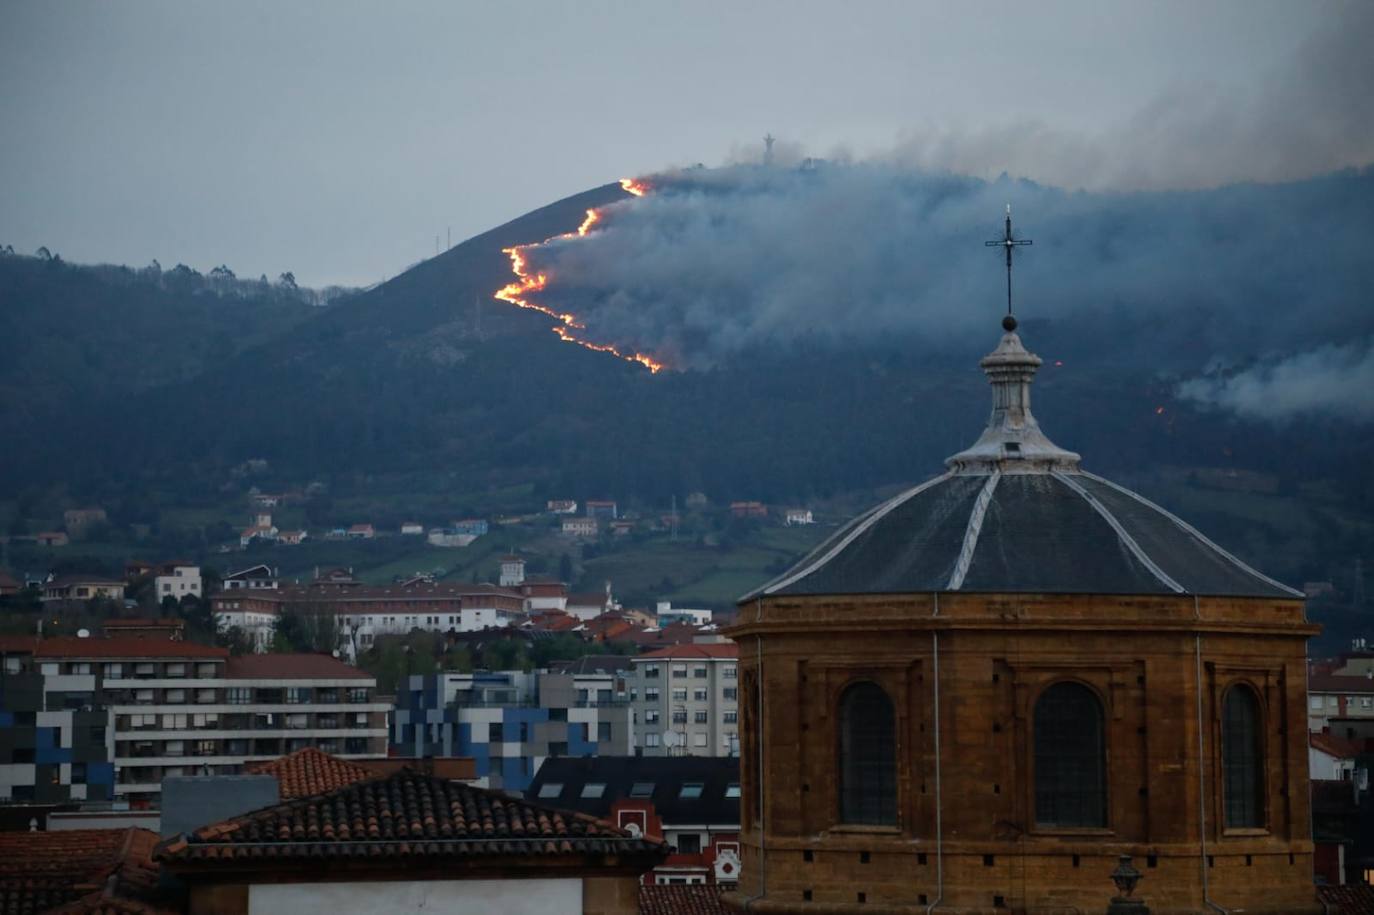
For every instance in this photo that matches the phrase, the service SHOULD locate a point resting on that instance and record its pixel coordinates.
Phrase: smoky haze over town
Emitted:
(582, 458)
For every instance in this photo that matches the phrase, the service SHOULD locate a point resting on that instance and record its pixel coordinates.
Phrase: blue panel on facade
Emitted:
(45, 738)
(6, 719)
(515, 773)
(52, 755)
(100, 773)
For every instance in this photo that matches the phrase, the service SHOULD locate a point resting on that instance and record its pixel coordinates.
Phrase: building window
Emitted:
(297, 695)
(1242, 758)
(238, 695)
(679, 716)
(688, 843)
(357, 694)
(699, 673)
(651, 740)
(1316, 703)
(651, 694)
(868, 758)
(1070, 758)
(177, 669)
(651, 671)
(495, 732)
(699, 740)
(731, 717)
(699, 717)
(730, 672)
(690, 791)
(679, 671)
(593, 789)
(603, 730)
(114, 671)
(642, 789)
(732, 790)
(679, 695)
(698, 695)
(651, 716)
(730, 694)
(550, 789)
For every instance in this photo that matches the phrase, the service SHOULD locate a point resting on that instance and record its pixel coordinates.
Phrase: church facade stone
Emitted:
(977, 696)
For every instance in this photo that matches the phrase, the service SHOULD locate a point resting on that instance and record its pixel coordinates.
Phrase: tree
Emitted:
(287, 280)
(43, 253)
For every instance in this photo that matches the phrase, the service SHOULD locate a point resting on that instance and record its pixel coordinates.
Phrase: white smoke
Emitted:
(1335, 380)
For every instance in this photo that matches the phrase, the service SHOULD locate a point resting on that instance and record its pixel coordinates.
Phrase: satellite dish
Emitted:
(83, 633)
(669, 738)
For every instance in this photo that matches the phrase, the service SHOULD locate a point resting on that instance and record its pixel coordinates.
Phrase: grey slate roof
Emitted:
(1017, 514)
(1051, 533)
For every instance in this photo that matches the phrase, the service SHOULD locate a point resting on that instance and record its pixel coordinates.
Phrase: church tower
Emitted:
(978, 695)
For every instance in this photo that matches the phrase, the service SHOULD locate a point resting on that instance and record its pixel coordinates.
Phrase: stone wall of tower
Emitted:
(996, 653)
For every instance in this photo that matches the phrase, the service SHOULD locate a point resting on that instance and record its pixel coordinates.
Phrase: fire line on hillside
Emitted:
(526, 284)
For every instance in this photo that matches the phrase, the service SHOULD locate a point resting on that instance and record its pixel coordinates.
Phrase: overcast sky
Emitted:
(337, 140)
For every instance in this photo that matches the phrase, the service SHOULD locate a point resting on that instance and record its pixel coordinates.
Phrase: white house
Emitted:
(1331, 757)
(512, 571)
(667, 614)
(412, 529)
(178, 580)
(799, 516)
(581, 527)
(253, 578)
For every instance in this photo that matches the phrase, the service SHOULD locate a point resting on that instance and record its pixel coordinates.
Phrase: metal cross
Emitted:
(1008, 242)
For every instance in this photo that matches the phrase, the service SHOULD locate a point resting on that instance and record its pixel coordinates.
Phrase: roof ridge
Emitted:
(971, 532)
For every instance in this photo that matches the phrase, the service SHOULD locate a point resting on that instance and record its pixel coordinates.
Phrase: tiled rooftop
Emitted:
(681, 899)
(708, 650)
(42, 870)
(404, 816)
(1347, 900)
(310, 771)
(124, 647)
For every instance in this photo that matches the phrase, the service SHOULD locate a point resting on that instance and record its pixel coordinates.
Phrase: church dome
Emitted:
(1016, 513)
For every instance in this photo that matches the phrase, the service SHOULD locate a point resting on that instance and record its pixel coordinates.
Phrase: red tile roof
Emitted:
(1332, 745)
(42, 870)
(696, 650)
(1348, 900)
(309, 771)
(681, 899)
(406, 816)
(291, 667)
(124, 647)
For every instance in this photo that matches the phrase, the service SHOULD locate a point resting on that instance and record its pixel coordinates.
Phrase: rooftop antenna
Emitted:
(1008, 242)
(768, 141)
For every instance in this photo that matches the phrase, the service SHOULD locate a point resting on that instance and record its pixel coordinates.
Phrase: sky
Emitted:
(339, 140)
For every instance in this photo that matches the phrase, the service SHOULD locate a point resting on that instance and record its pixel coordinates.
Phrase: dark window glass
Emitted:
(1242, 758)
(1070, 758)
(868, 756)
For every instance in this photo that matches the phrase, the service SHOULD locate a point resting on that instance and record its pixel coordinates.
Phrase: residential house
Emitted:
(748, 510)
(254, 578)
(1331, 757)
(51, 538)
(88, 871)
(797, 516)
(509, 722)
(602, 509)
(447, 537)
(591, 604)
(262, 528)
(177, 580)
(474, 526)
(512, 571)
(361, 532)
(692, 803)
(561, 506)
(581, 527)
(412, 529)
(686, 700)
(405, 842)
(292, 538)
(667, 614)
(1334, 700)
(74, 587)
(542, 594)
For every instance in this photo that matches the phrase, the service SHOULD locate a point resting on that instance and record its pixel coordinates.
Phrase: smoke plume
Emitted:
(1334, 380)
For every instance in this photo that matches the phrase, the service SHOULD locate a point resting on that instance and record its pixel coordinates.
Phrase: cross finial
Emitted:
(1008, 242)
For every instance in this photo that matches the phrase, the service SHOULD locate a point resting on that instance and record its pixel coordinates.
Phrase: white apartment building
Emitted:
(685, 700)
(667, 614)
(177, 580)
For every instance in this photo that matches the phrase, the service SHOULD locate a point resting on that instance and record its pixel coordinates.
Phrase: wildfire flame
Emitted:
(527, 284)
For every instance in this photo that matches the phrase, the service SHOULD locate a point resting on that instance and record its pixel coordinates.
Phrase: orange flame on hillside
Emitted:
(526, 284)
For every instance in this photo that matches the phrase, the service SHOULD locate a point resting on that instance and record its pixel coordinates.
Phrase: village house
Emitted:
(512, 571)
(581, 527)
(76, 587)
(253, 578)
(361, 532)
(177, 580)
(412, 529)
(51, 538)
(602, 508)
(561, 506)
(262, 528)
(797, 516)
(748, 510)
(291, 538)
(475, 527)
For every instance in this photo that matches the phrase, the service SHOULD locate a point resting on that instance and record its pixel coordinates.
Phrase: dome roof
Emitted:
(1016, 513)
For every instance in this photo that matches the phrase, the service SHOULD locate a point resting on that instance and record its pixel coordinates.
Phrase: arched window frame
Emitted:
(844, 768)
(1258, 801)
(1103, 758)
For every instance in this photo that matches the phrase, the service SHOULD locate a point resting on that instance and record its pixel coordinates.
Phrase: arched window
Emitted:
(868, 756)
(1242, 758)
(1070, 758)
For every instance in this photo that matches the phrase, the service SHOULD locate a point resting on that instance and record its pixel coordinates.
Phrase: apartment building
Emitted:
(509, 722)
(685, 700)
(1340, 692)
(117, 715)
(177, 580)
